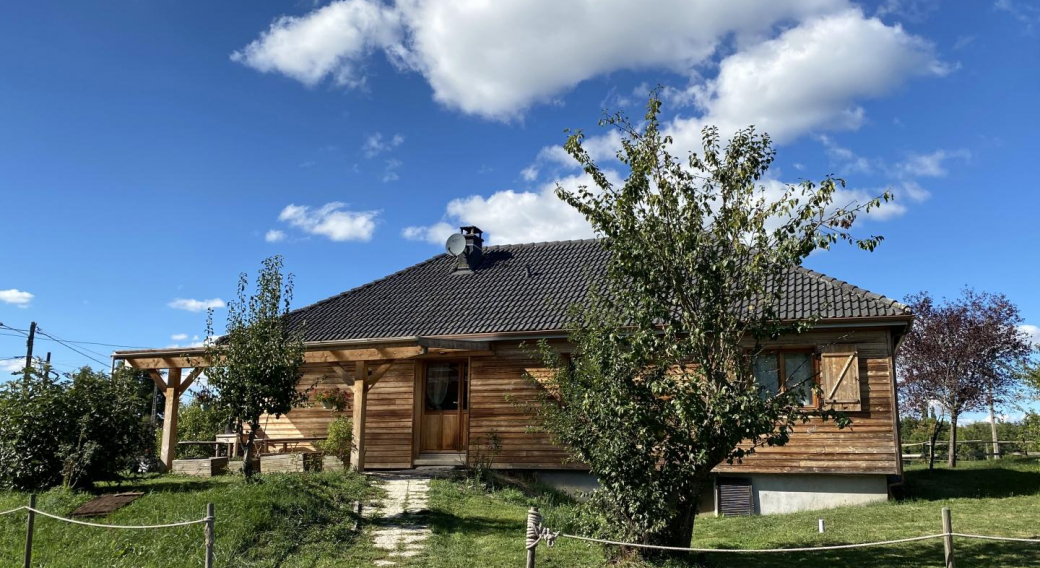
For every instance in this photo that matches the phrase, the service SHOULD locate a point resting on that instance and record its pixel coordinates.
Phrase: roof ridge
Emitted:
(545, 243)
(844, 285)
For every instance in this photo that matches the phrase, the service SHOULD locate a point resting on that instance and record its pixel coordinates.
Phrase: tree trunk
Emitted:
(993, 428)
(951, 460)
(247, 465)
(679, 531)
(931, 443)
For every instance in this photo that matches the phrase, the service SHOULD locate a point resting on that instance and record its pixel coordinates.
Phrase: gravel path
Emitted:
(401, 517)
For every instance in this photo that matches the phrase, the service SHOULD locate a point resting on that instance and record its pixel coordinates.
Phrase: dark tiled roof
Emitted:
(428, 299)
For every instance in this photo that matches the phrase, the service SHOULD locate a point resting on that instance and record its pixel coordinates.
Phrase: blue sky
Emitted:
(151, 151)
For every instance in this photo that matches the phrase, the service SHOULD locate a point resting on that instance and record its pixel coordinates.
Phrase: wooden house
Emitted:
(434, 357)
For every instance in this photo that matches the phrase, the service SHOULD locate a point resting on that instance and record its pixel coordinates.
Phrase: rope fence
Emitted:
(209, 521)
(538, 533)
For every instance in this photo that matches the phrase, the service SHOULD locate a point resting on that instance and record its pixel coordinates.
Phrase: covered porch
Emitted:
(358, 364)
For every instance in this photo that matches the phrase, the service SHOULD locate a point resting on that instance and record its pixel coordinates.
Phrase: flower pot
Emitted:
(328, 404)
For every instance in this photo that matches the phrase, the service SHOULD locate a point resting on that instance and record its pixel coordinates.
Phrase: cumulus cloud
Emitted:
(275, 236)
(808, 78)
(179, 336)
(7, 366)
(16, 297)
(332, 41)
(192, 305)
(1031, 332)
(331, 220)
(511, 216)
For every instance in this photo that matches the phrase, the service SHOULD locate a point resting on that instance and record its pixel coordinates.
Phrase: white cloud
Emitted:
(530, 173)
(375, 145)
(1025, 12)
(331, 220)
(192, 305)
(930, 165)
(179, 336)
(11, 366)
(496, 59)
(390, 171)
(808, 78)
(332, 41)
(275, 236)
(16, 297)
(1032, 332)
(515, 216)
(846, 159)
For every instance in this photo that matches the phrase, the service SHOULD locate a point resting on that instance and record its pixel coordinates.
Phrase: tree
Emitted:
(964, 355)
(258, 361)
(661, 388)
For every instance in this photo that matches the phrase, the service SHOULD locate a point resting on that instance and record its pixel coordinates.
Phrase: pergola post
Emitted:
(168, 449)
(360, 408)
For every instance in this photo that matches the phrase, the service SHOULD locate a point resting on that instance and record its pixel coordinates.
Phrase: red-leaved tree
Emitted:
(964, 355)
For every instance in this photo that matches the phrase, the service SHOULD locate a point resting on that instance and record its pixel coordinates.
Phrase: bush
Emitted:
(340, 439)
(201, 419)
(78, 431)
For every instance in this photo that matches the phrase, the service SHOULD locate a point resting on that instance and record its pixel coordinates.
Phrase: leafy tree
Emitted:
(965, 355)
(661, 387)
(77, 431)
(201, 419)
(258, 362)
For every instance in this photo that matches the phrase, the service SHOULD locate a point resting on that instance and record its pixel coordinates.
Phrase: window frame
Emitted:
(781, 369)
(463, 402)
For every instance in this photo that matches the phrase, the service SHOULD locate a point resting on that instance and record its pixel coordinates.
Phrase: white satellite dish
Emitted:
(456, 244)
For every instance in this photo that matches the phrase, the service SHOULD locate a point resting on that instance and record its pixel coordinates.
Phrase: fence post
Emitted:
(210, 536)
(29, 531)
(947, 536)
(534, 519)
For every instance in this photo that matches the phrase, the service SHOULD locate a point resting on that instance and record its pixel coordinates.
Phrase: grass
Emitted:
(991, 498)
(286, 520)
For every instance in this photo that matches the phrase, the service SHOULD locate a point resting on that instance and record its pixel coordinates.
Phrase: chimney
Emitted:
(470, 258)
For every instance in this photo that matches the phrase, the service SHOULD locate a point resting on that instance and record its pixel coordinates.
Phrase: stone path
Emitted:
(400, 517)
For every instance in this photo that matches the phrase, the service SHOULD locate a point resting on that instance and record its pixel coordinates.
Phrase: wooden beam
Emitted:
(343, 374)
(376, 374)
(364, 354)
(434, 344)
(169, 432)
(169, 362)
(360, 402)
(194, 374)
(157, 379)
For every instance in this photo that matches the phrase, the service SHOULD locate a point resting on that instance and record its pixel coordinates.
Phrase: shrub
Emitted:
(78, 431)
(340, 439)
(202, 420)
(482, 459)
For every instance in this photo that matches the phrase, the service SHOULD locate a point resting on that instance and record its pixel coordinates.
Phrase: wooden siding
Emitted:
(388, 436)
(497, 390)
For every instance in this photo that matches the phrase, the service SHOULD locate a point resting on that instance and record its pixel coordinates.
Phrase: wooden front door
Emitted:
(445, 407)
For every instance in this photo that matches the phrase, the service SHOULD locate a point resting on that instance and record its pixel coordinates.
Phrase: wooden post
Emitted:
(947, 526)
(29, 531)
(357, 451)
(169, 429)
(210, 534)
(29, 350)
(534, 518)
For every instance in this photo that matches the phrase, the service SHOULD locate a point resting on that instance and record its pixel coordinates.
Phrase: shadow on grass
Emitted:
(161, 485)
(442, 521)
(995, 481)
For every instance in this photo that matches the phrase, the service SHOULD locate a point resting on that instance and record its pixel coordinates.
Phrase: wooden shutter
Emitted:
(839, 378)
(735, 497)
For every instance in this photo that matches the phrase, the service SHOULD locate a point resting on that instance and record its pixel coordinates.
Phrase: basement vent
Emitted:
(734, 497)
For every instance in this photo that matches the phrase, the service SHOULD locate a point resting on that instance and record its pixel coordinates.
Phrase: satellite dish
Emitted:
(456, 244)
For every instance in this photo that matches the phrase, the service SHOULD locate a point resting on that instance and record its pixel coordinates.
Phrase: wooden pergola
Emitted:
(368, 361)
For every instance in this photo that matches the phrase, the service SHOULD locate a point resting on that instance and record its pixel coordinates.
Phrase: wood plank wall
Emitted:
(869, 445)
(497, 386)
(388, 437)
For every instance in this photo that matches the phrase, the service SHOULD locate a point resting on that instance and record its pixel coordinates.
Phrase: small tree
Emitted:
(661, 387)
(258, 361)
(964, 355)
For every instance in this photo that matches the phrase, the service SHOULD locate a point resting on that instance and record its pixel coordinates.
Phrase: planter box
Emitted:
(332, 463)
(202, 467)
(291, 463)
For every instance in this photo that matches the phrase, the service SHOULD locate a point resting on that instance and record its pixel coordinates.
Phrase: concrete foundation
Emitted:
(791, 493)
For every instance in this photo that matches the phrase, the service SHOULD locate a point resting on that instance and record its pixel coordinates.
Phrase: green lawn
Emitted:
(985, 498)
(283, 520)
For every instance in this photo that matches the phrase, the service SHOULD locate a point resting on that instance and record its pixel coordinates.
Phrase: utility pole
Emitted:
(47, 368)
(29, 350)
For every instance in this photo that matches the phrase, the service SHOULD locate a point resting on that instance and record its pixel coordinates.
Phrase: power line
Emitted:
(21, 332)
(98, 361)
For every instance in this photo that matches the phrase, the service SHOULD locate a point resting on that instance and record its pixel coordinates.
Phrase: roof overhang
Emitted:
(343, 351)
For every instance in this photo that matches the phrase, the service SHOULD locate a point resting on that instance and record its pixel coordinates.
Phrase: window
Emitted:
(446, 386)
(797, 367)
